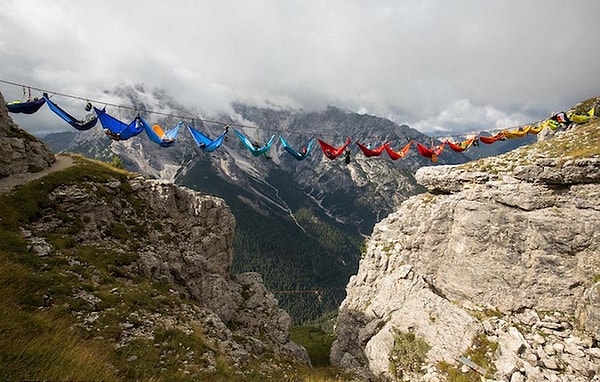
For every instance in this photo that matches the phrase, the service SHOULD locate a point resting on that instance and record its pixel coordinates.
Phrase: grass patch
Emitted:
(408, 354)
(481, 352)
(40, 346)
(316, 342)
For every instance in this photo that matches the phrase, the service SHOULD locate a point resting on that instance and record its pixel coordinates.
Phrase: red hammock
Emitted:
(333, 152)
(490, 140)
(398, 154)
(462, 146)
(431, 153)
(372, 152)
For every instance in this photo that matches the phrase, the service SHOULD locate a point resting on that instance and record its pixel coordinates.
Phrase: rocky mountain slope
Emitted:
(106, 275)
(494, 272)
(314, 212)
(328, 185)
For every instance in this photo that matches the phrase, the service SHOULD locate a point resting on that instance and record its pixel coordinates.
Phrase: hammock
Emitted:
(372, 152)
(28, 107)
(518, 133)
(256, 150)
(552, 124)
(394, 155)
(298, 155)
(431, 153)
(80, 125)
(205, 143)
(159, 136)
(492, 139)
(333, 152)
(462, 146)
(578, 118)
(535, 129)
(117, 130)
(562, 118)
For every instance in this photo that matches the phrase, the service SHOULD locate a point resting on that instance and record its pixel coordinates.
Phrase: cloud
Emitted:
(413, 61)
(461, 116)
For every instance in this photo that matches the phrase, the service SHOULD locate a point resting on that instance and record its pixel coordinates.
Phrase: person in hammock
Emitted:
(562, 119)
(90, 115)
(258, 146)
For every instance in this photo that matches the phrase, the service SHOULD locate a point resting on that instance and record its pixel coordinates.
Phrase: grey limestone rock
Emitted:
(20, 152)
(500, 238)
(185, 240)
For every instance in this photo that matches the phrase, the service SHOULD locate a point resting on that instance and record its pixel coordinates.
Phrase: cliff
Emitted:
(494, 272)
(107, 275)
(20, 152)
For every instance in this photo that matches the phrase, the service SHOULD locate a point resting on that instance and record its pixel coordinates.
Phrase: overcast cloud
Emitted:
(435, 65)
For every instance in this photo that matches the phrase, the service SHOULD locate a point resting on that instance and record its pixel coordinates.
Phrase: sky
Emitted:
(439, 66)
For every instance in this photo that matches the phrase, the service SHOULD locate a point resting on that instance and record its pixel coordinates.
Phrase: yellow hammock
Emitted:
(535, 129)
(579, 118)
(517, 133)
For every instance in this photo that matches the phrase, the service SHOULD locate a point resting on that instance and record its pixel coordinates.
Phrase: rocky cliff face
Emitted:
(178, 238)
(19, 151)
(494, 271)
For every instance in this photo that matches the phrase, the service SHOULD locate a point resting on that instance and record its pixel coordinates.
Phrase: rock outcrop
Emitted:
(496, 269)
(143, 264)
(184, 240)
(19, 151)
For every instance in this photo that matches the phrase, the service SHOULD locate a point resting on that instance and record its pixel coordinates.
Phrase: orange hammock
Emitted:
(462, 146)
(398, 154)
(490, 140)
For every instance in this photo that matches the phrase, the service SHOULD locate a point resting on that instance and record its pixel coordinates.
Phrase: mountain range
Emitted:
(318, 211)
(493, 273)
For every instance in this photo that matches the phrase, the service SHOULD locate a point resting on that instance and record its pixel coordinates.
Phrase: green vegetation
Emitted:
(70, 315)
(317, 343)
(481, 353)
(408, 354)
(117, 162)
(486, 313)
(295, 262)
(584, 106)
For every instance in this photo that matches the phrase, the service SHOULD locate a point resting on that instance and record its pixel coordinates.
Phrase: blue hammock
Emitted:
(117, 130)
(299, 155)
(79, 125)
(204, 142)
(256, 150)
(159, 136)
(27, 107)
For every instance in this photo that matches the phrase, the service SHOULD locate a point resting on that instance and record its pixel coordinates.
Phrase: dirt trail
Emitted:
(10, 182)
